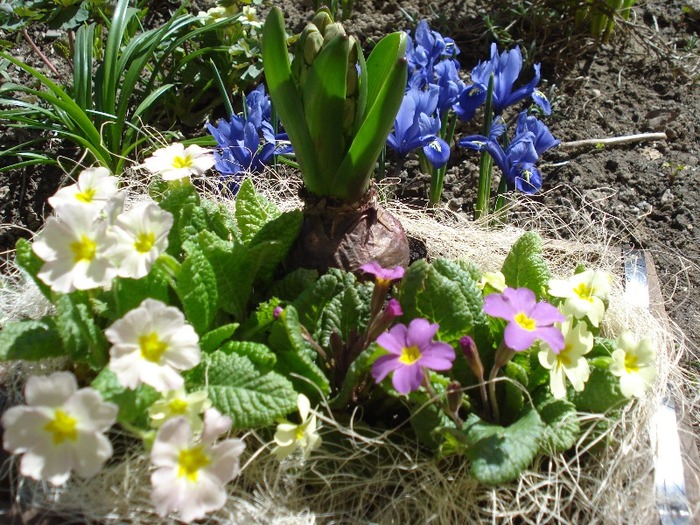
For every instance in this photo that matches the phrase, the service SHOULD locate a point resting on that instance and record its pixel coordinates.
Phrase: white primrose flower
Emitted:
(290, 437)
(191, 472)
(634, 363)
(74, 250)
(584, 294)
(176, 162)
(95, 188)
(150, 344)
(140, 235)
(250, 17)
(570, 362)
(60, 429)
(179, 403)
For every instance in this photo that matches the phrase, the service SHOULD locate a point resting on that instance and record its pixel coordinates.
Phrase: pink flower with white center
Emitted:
(411, 349)
(528, 319)
(141, 235)
(74, 250)
(60, 429)
(151, 344)
(176, 162)
(192, 471)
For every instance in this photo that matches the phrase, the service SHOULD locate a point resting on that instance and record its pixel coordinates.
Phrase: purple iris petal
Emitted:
(528, 319)
(543, 140)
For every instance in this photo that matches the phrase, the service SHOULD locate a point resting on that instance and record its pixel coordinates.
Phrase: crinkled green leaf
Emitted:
(289, 287)
(175, 200)
(190, 220)
(258, 353)
(499, 454)
(83, 340)
(562, 426)
(251, 397)
(282, 231)
(197, 289)
(312, 302)
(215, 338)
(259, 321)
(129, 293)
(133, 404)
(602, 391)
(514, 391)
(30, 340)
(347, 313)
(525, 267)
(220, 220)
(358, 371)
(253, 211)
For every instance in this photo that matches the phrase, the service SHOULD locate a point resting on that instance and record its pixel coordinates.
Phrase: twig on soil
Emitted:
(613, 141)
(39, 52)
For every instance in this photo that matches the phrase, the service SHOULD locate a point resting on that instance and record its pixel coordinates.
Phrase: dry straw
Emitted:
(364, 475)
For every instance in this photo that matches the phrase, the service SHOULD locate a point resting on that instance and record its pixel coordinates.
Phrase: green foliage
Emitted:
(525, 267)
(83, 340)
(31, 340)
(602, 391)
(253, 211)
(133, 404)
(562, 426)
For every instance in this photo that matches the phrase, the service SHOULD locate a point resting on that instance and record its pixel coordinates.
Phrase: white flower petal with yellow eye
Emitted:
(290, 437)
(94, 188)
(150, 345)
(585, 294)
(179, 403)
(176, 162)
(570, 362)
(140, 236)
(62, 436)
(635, 363)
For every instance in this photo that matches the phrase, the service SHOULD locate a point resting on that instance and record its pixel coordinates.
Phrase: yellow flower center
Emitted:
(191, 461)
(525, 322)
(84, 249)
(178, 406)
(62, 427)
(144, 242)
(631, 363)
(86, 196)
(585, 292)
(182, 162)
(299, 432)
(563, 357)
(409, 355)
(152, 348)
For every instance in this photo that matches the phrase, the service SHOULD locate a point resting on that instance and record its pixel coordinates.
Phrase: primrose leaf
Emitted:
(358, 371)
(133, 404)
(282, 231)
(30, 340)
(253, 211)
(220, 220)
(253, 398)
(213, 340)
(499, 454)
(311, 303)
(347, 313)
(562, 426)
(82, 339)
(196, 288)
(258, 353)
(289, 287)
(30, 262)
(129, 293)
(525, 267)
(602, 391)
(175, 200)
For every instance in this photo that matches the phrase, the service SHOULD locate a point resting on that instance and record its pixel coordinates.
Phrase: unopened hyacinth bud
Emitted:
(471, 354)
(333, 30)
(312, 44)
(322, 20)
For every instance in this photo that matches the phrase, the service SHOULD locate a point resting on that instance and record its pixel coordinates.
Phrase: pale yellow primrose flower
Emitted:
(192, 471)
(95, 188)
(140, 235)
(250, 17)
(495, 280)
(176, 162)
(74, 250)
(584, 294)
(60, 429)
(634, 363)
(570, 362)
(179, 403)
(150, 344)
(289, 437)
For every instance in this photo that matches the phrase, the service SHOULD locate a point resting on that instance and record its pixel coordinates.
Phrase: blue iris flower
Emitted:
(518, 161)
(415, 127)
(505, 69)
(247, 144)
(427, 48)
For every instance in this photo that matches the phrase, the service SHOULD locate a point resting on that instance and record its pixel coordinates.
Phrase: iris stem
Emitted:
(438, 179)
(485, 162)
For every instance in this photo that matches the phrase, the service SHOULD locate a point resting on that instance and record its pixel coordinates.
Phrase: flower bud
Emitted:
(277, 312)
(454, 397)
(312, 46)
(333, 30)
(471, 353)
(321, 20)
(351, 81)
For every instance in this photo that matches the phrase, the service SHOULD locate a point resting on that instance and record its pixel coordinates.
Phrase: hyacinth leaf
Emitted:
(362, 79)
(133, 404)
(324, 105)
(525, 266)
(258, 353)
(499, 454)
(237, 388)
(196, 288)
(386, 72)
(30, 340)
(253, 211)
(215, 338)
(287, 99)
(562, 426)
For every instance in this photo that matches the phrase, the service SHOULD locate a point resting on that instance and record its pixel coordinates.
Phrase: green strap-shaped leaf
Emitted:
(287, 99)
(197, 290)
(499, 454)
(237, 387)
(525, 267)
(30, 340)
(323, 98)
(253, 211)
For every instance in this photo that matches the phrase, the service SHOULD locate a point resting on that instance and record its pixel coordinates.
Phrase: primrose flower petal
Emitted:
(176, 162)
(585, 294)
(141, 235)
(94, 188)
(75, 250)
(411, 349)
(151, 344)
(635, 363)
(570, 362)
(304, 437)
(179, 403)
(528, 320)
(191, 474)
(386, 275)
(61, 435)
